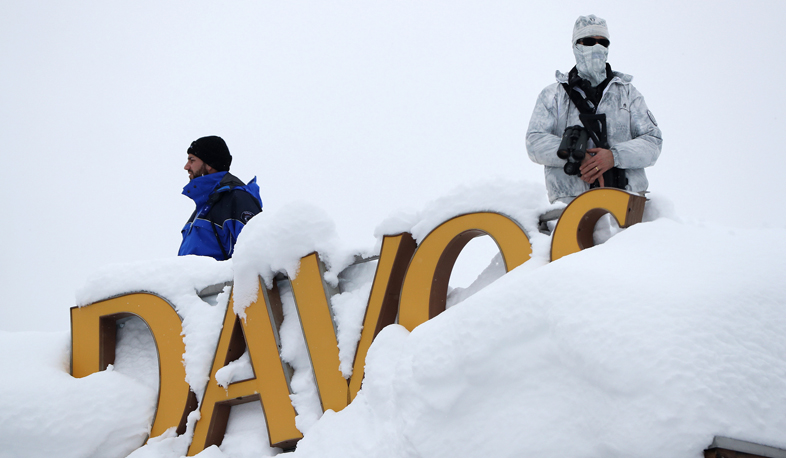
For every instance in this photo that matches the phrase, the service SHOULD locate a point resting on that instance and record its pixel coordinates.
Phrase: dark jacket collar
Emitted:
(593, 94)
(200, 188)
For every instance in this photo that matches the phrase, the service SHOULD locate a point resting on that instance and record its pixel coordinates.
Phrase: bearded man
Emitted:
(624, 137)
(223, 203)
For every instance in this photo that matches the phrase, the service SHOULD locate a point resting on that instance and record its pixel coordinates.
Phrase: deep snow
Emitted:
(664, 336)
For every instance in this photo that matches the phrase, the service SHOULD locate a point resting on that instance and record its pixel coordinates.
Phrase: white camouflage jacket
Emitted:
(633, 134)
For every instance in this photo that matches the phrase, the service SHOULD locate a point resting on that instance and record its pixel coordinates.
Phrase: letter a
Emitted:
(269, 385)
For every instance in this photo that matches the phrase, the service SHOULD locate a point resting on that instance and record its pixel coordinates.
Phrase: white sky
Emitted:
(360, 108)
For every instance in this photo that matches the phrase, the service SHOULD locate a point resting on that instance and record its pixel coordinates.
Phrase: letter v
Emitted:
(311, 295)
(394, 257)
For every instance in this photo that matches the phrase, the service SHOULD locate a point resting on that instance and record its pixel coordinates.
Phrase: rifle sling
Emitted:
(614, 177)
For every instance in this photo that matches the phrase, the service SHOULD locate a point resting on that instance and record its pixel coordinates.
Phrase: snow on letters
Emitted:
(659, 339)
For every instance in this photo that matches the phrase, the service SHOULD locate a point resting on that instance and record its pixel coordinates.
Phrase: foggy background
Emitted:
(359, 107)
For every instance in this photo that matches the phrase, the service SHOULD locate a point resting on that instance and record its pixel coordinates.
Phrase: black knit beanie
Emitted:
(213, 151)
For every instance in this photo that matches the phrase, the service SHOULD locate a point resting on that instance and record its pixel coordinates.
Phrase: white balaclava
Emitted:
(590, 60)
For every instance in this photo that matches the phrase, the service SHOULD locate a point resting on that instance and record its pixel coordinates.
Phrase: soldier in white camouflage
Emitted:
(632, 137)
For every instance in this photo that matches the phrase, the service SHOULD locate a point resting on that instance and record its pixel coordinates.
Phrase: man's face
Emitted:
(195, 167)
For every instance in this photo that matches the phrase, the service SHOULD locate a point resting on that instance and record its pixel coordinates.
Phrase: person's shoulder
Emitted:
(230, 181)
(622, 78)
(239, 203)
(622, 82)
(559, 79)
(550, 91)
(247, 193)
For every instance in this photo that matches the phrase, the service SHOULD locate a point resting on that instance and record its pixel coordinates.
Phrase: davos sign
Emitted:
(410, 287)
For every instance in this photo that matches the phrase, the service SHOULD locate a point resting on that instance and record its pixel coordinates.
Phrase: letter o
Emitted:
(425, 287)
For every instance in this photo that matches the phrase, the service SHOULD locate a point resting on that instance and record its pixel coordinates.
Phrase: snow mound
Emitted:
(658, 340)
(664, 336)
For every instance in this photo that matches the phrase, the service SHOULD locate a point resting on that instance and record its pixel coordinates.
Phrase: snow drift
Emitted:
(659, 339)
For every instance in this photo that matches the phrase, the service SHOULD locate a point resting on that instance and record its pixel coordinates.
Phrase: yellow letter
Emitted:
(93, 332)
(311, 300)
(577, 223)
(383, 301)
(269, 384)
(425, 286)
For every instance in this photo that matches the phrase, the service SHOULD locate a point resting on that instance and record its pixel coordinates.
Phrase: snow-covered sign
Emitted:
(410, 286)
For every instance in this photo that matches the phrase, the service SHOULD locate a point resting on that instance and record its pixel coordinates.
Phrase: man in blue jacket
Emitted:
(223, 203)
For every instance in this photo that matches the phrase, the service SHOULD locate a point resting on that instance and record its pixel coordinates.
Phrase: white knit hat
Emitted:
(590, 26)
